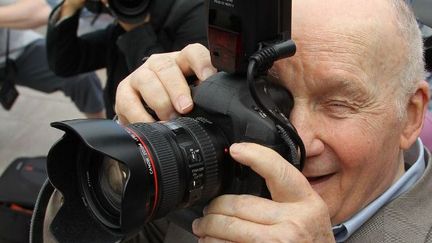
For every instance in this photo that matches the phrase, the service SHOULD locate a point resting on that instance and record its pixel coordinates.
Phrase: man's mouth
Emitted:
(318, 179)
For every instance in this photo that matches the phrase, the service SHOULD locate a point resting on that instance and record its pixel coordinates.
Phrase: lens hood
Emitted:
(74, 216)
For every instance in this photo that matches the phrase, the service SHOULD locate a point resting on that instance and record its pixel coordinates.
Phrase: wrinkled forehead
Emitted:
(359, 35)
(339, 12)
(358, 21)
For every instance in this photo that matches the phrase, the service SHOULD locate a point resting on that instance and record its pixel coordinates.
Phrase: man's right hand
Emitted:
(160, 82)
(70, 7)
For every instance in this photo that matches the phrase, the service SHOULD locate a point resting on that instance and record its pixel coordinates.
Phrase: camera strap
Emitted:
(8, 62)
(4, 65)
(38, 217)
(8, 92)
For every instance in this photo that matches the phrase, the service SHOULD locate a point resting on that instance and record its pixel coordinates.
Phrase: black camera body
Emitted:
(129, 11)
(115, 179)
(186, 161)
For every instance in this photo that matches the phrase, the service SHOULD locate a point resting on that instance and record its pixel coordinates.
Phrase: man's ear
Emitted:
(416, 110)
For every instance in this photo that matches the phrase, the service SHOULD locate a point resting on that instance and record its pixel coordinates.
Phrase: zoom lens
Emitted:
(130, 10)
(112, 180)
(180, 164)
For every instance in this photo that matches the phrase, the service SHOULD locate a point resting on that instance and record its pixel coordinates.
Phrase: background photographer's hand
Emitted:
(70, 7)
(128, 26)
(296, 212)
(160, 82)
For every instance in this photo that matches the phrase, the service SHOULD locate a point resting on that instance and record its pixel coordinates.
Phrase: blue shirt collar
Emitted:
(344, 230)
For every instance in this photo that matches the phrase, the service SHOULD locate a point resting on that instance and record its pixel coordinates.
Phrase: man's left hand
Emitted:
(296, 213)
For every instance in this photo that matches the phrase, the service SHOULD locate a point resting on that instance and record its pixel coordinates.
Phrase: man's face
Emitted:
(344, 103)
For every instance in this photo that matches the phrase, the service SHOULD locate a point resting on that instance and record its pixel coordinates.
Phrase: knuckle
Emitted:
(161, 103)
(192, 47)
(122, 87)
(161, 63)
(240, 202)
(283, 173)
(117, 108)
(295, 231)
(229, 225)
(208, 223)
(152, 58)
(119, 104)
(142, 77)
(197, 50)
(258, 237)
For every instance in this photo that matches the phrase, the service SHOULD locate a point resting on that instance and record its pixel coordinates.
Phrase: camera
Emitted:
(115, 179)
(129, 11)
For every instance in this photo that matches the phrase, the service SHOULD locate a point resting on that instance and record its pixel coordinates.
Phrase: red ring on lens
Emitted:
(153, 168)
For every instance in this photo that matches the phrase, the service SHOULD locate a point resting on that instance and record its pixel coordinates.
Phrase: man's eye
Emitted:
(339, 108)
(339, 105)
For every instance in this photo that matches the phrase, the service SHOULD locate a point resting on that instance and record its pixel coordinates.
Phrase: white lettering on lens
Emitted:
(227, 3)
(146, 158)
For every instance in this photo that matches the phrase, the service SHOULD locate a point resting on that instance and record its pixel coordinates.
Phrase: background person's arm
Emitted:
(69, 54)
(70, 8)
(185, 26)
(24, 14)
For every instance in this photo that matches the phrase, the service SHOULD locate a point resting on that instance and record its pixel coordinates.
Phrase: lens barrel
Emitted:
(183, 160)
(130, 11)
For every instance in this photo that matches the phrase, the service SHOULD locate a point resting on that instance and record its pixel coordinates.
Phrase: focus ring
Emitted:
(168, 174)
(211, 174)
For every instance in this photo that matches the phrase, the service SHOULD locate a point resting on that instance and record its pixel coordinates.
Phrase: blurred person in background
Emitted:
(167, 25)
(27, 52)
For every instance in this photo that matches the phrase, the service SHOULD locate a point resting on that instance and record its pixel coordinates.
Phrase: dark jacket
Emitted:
(174, 24)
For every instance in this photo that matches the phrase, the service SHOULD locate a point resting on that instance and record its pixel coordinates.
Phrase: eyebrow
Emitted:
(353, 88)
(335, 84)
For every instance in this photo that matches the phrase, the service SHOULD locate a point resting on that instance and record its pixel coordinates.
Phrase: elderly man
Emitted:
(360, 100)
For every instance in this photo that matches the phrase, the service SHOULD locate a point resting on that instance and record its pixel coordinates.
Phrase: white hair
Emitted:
(412, 68)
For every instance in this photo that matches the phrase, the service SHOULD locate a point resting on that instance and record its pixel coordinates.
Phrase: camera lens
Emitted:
(131, 3)
(112, 180)
(103, 183)
(130, 10)
(178, 164)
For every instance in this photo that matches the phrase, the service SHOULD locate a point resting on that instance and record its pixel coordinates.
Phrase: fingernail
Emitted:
(207, 72)
(205, 210)
(195, 225)
(184, 103)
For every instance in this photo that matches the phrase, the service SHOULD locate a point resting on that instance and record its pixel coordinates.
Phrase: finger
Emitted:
(195, 59)
(173, 80)
(284, 181)
(228, 228)
(128, 105)
(241, 206)
(152, 91)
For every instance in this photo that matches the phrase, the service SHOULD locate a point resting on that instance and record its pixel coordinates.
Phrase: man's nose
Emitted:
(308, 127)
